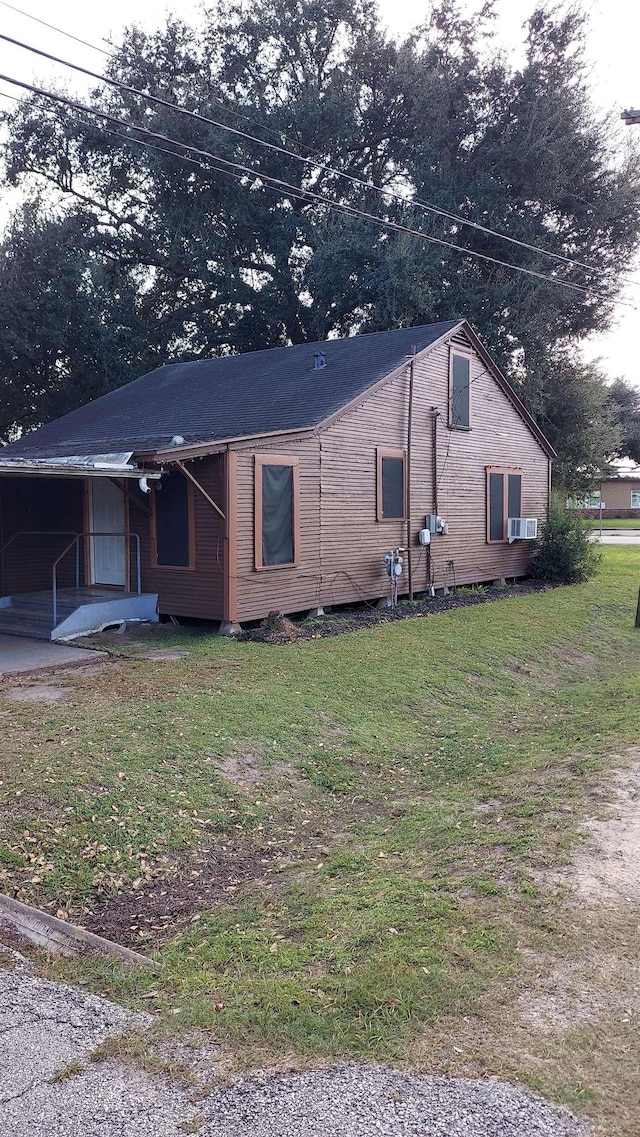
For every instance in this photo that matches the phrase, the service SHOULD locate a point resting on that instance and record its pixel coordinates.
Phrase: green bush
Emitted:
(565, 553)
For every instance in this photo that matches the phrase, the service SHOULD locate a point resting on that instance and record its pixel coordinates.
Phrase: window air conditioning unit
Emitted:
(522, 528)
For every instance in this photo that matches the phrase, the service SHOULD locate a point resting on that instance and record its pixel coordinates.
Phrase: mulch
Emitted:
(279, 629)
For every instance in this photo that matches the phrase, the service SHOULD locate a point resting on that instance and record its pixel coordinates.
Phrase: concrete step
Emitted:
(33, 630)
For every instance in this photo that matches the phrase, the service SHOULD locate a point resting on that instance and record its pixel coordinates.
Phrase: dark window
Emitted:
(277, 515)
(172, 521)
(514, 503)
(496, 507)
(392, 491)
(460, 375)
(504, 499)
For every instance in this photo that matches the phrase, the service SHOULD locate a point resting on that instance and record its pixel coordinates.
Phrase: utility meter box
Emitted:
(435, 524)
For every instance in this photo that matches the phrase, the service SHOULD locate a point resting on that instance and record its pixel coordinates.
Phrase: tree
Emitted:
(571, 400)
(211, 260)
(69, 329)
(626, 409)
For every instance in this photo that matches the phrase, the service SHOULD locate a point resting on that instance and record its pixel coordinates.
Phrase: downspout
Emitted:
(435, 415)
(409, 435)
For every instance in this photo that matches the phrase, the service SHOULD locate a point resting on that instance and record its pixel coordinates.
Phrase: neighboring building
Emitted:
(274, 480)
(619, 496)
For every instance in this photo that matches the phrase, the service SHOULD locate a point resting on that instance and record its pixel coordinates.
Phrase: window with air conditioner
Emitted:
(504, 501)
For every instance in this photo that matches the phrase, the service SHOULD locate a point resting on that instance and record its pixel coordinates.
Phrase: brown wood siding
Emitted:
(39, 504)
(341, 541)
(287, 588)
(199, 591)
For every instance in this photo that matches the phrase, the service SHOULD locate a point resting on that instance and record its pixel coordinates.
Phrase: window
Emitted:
(504, 500)
(459, 390)
(172, 519)
(587, 501)
(635, 499)
(277, 493)
(391, 485)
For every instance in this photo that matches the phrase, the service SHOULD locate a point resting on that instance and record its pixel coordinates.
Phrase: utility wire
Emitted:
(52, 27)
(94, 47)
(308, 195)
(315, 164)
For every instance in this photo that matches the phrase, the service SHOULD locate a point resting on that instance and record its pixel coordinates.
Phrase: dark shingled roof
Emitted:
(236, 396)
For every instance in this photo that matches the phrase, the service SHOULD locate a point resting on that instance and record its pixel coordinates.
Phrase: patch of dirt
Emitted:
(290, 843)
(35, 693)
(162, 905)
(279, 629)
(249, 769)
(606, 868)
(164, 653)
(581, 990)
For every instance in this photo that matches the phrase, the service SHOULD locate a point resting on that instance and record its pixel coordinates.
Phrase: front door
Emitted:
(108, 554)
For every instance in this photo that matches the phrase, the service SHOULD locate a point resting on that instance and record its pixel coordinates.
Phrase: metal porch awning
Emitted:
(78, 465)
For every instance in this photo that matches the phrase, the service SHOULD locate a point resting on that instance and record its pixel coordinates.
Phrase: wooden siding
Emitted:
(199, 591)
(38, 504)
(342, 542)
(289, 588)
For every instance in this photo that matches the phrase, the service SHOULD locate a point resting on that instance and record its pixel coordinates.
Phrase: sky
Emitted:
(612, 51)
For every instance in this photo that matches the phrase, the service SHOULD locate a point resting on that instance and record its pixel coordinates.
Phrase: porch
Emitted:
(71, 612)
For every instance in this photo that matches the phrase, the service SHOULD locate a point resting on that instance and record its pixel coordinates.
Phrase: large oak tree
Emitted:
(126, 256)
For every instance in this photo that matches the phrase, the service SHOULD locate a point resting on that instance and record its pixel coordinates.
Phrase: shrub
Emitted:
(565, 553)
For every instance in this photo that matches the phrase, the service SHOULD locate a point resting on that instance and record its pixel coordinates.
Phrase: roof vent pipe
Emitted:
(319, 361)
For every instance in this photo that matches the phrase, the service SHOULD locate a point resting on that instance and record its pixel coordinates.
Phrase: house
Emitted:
(618, 495)
(279, 479)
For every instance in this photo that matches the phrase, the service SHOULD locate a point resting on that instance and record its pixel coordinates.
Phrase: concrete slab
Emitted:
(21, 656)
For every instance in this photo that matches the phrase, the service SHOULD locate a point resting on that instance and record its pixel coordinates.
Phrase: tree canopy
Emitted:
(127, 255)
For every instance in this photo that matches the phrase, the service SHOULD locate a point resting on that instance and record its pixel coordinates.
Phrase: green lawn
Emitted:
(616, 522)
(372, 811)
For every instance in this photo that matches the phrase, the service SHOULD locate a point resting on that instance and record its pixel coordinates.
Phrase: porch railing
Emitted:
(41, 533)
(76, 544)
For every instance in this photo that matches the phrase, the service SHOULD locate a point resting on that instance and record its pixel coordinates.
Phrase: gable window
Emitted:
(635, 499)
(459, 390)
(504, 500)
(277, 525)
(391, 485)
(172, 521)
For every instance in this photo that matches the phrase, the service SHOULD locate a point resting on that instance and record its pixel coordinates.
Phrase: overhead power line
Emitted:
(303, 194)
(109, 54)
(52, 27)
(314, 163)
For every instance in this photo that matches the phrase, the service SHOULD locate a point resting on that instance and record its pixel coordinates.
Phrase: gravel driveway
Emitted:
(46, 1028)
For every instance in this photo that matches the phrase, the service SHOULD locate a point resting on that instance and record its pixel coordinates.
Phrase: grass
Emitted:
(616, 523)
(378, 858)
